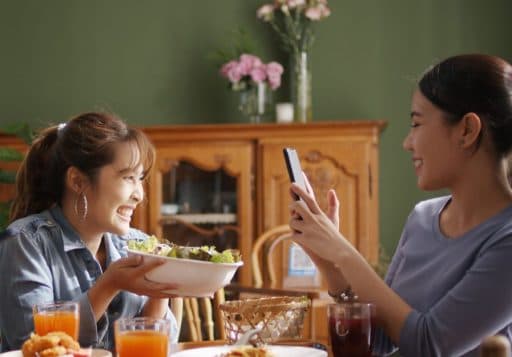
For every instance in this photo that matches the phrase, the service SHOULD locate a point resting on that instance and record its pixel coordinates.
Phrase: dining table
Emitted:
(183, 346)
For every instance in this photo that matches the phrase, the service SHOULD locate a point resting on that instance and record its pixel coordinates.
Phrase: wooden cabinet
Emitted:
(342, 155)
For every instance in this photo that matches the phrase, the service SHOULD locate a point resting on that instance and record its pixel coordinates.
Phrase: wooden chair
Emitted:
(199, 313)
(263, 248)
(495, 346)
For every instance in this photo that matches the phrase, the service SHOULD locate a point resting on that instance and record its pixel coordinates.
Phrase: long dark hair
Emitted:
(87, 142)
(474, 83)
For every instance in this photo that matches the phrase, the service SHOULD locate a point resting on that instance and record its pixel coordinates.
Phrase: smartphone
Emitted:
(294, 169)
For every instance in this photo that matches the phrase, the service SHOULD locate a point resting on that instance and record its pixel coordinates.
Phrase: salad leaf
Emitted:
(144, 246)
(205, 253)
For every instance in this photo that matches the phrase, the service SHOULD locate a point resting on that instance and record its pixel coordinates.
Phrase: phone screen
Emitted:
(294, 169)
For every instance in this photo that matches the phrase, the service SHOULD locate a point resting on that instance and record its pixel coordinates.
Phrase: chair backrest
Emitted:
(278, 262)
(201, 316)
(262, 252)
(495, 346)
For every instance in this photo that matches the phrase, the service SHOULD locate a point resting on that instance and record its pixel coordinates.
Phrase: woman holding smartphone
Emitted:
(449, 283)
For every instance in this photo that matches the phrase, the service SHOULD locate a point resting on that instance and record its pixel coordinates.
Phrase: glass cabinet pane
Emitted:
(199, 207)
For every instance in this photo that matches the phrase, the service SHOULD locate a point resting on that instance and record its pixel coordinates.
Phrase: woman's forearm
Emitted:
(156, 308)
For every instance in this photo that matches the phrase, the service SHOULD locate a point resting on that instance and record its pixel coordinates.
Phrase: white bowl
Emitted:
(192, 277)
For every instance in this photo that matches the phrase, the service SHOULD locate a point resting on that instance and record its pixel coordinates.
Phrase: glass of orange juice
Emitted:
(142, 336)
(57, 316)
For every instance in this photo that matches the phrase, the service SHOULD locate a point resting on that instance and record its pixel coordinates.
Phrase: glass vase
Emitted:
(256, 102)
(300, 81)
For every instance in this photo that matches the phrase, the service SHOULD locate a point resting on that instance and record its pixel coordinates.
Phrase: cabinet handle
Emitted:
(370, 181)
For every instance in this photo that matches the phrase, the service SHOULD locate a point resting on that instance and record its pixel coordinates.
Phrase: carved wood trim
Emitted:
(216, 231)
(166, 165)
(220, 161)
(316, 157)
(319, 175)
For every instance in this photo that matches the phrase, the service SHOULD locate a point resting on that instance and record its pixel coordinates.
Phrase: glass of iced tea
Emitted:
(57, 316)
(142, 336)
(351, 328)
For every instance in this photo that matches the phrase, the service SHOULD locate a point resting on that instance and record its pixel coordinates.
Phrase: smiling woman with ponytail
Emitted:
(76, 192)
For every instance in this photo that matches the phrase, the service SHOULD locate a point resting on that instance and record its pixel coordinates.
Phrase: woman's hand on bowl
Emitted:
(129, 274)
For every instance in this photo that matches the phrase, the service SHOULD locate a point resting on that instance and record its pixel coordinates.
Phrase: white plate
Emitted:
(96, 352)
(278, 351)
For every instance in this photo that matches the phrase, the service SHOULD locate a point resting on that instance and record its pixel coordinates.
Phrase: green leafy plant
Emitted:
(241, 42)
(25, 133)
(382, 265)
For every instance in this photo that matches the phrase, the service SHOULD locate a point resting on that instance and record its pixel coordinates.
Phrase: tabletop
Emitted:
(182, 346)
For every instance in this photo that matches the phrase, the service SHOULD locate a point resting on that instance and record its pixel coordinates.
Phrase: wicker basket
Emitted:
(278, 318)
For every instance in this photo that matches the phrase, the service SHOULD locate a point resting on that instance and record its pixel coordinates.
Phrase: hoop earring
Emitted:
(81, 196)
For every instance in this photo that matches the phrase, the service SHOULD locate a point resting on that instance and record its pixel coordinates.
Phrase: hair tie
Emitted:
(60, 129)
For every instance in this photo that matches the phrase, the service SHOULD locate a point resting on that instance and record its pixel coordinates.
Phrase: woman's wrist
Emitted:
(100, 295)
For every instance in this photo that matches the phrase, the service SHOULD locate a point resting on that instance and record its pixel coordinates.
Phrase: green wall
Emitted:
(148, 62)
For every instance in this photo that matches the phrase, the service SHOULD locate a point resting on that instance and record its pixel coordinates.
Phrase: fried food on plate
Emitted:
(52, 344)
(248, 351)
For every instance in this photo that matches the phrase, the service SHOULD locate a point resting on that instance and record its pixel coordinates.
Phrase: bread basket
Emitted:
(278, 318)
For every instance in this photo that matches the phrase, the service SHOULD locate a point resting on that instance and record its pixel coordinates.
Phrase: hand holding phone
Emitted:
(294, 169)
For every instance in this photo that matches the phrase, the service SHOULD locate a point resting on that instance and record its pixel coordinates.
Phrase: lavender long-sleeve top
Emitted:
(460, 289)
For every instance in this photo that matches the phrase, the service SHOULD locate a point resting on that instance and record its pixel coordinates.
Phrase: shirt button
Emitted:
(50, 223)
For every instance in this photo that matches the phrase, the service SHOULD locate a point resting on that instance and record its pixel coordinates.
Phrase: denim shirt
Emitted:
(43, 259)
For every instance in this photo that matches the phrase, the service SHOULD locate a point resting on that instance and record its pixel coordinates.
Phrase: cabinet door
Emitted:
(347, 165)
(200, 194)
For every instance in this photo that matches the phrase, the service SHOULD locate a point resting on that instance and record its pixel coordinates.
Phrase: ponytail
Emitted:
(38, 186)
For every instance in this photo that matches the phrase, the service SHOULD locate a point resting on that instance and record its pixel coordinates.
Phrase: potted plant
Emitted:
(7, 154)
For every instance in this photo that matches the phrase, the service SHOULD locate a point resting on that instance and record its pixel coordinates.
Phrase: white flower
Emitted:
(292, 4)
(292, 19)
(266, 12)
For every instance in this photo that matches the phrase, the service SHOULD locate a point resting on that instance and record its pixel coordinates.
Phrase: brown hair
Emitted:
(87, 142)
(474, 83)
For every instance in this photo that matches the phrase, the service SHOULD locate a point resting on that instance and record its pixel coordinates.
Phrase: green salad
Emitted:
(205, 253)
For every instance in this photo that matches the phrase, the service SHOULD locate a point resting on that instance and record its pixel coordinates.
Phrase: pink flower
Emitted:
(295, 3)
(313, 13)
(274, 69)
(266, 12)
(231, 71)
(325, 10)
(226, 67)
(317, 12)
(248, 62)
(259, 74)
(292, 20)
(249, 70)
(274, 82)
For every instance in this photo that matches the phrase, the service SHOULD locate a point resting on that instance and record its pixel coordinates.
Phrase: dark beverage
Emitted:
(351, 337)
